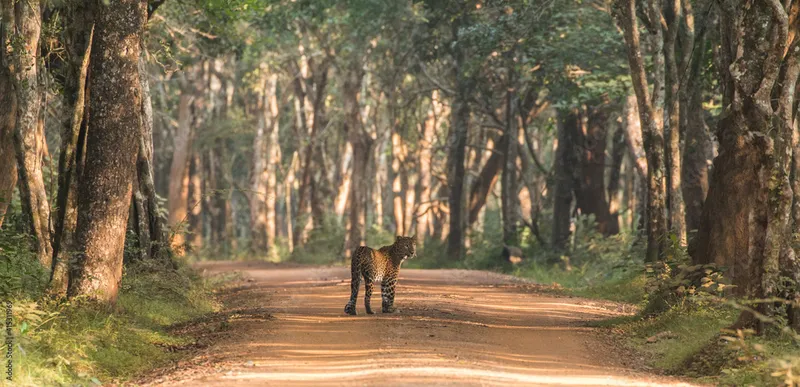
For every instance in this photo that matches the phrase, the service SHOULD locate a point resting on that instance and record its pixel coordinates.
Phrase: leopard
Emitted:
(382, 265)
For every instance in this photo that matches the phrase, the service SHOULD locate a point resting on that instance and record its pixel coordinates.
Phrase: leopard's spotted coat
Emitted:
(378, 265)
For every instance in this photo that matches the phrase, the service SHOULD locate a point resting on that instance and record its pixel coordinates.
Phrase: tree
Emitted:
(746, 224)
(111, 149)
(651, 112)
(22, 21)
(8, 163)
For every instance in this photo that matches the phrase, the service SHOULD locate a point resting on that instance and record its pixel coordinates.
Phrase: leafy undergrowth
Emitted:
(692, 341)
(78, 343)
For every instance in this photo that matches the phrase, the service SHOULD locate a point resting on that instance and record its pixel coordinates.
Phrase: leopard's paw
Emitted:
(350, 309)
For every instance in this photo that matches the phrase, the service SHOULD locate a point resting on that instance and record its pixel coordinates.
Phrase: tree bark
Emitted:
(398, 195)
(70, 162)
(362, 148)
(195, 192)
(259, 176)
(651, 113)
(425, 154)
(509, 192)
(111, 151)
(273, 160)
(153, 238)
(8, 163)
(617, 155)
(456, 154)
(564, 185)
(746, 224)
(23, 21)
(590, 193)
(177, 199)
(698, 147)
(677, 219)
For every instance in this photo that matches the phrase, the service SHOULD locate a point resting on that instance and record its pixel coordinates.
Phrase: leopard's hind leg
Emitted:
(368, 284)
(355, 283)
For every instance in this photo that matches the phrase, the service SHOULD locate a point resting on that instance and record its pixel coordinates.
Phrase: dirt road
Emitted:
(454, 327)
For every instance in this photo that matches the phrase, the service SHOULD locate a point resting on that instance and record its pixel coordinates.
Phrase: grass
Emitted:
(77, 343)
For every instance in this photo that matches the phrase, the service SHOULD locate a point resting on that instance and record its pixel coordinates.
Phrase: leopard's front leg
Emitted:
(387, 293)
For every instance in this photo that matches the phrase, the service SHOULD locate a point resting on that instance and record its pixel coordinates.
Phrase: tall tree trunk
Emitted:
(273, 160)
(424, 156)
(287, 195)
(153, 235)
(398, 197)
(677, 219)
(178, 172)
(22, 25)
(343, 192)
(566, 159)
(590, 194)
(8, 163)
(362, 148)
(106, 185)
(194, 240)
(618, 148)
(456, 153)
(258, 188)
(509, 196)
(70, 162)
(698, 147)
(746, 223)
(651, 114)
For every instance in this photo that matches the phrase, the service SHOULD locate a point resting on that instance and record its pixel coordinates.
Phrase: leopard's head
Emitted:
(406, 247)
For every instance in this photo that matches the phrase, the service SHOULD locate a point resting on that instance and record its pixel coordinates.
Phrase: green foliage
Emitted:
(77, 343)
(21, 275)
(324, 245)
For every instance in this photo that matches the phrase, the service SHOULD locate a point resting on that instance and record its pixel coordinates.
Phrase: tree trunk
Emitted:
(343, 192)
(590, 194)
(106, 185)
(22, 24)
(273, 160)
(424, 161)
(566, 159)
(194, 240)
(456, 154)
(362, 143)
(651, 114)
(617, 155)
(287, 195)
(178, 172)
(258, 188)
(70, 162)
(509, 196)
(746, 224)
(398, 202)
(698, 147)
(153, 237)
(8, 163)
(677, 219)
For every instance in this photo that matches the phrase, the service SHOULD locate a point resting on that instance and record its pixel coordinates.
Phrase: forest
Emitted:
(175, 173)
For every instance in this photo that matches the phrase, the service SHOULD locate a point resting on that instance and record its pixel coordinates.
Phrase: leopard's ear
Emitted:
(397, 238)
(414, 238)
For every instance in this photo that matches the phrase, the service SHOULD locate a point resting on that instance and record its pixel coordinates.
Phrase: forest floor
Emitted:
(285, 325)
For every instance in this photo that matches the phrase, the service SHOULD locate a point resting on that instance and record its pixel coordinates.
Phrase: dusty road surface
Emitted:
(453, 327)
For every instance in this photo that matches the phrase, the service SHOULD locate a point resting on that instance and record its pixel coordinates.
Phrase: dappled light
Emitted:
(452, 328)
